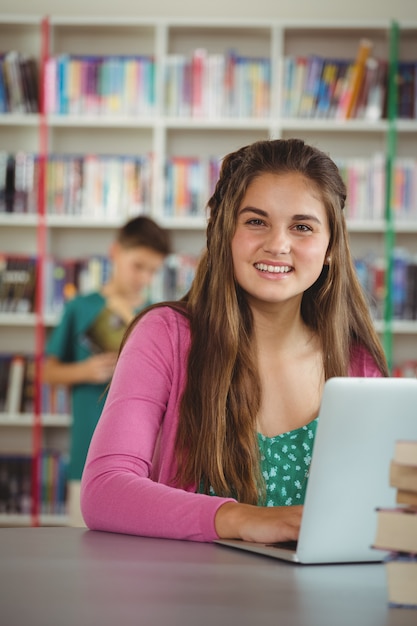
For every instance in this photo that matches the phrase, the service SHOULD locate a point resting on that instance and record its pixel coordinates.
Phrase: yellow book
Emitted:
(364, 50)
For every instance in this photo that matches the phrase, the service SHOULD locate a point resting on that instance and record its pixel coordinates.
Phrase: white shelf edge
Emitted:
(209, 22)
(21, 20)
(212, 22)
(17, 319)
(16, 519)
(365, 226)
(101, 121)
(406, 125)
(19, 119)
(181, 123)
(79, 221)
(230, 123)
(182, 223)
(19, 220)
(332, 125)
(398, 327)
(175, 222)
(26, 420)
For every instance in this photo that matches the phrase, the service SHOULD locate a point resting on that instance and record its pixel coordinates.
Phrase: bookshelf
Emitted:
(168, 128)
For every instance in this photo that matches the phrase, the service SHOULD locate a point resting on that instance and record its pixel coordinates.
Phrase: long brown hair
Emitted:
(216, 441)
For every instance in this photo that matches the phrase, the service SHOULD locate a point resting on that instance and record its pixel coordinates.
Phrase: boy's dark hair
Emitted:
(142, 231)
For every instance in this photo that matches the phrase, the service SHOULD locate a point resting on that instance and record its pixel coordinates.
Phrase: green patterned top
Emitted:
(285, 462)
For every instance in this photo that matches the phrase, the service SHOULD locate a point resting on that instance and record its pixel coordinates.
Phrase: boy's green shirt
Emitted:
(70, 342)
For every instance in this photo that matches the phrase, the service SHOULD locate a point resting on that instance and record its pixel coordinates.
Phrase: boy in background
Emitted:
(81, 351)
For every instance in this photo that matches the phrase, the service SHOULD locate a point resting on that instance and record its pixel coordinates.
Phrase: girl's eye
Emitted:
(303, 228)
(256, 221)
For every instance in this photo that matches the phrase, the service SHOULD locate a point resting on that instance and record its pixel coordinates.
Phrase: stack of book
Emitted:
(397, 527)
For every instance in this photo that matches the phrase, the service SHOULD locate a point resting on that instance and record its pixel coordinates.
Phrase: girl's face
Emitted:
(281, 238)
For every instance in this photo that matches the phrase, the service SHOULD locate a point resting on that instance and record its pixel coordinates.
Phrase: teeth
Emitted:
(275, 269)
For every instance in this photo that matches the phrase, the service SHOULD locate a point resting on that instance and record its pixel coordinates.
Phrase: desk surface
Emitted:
(71, 576)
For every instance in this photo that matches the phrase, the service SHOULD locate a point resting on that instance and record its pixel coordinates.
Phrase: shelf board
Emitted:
(83, 221)
(333, 125)
(19, 220)
(365, 226)
(399, 327)
(406, 227)
(183, 223)
(229, 123)
(406, 126)
(101, 121)
(17, 319)
(16, 519)
(19, 119)
(379, 226)
(175, 222)
(26, 420)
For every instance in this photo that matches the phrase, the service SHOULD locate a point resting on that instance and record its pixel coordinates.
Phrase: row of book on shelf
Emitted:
(319, 87)
(17, 389)
(64, 278)
(106, 85)
(396, 529)
(371, 270)
(204, 84)
(110, 186)
(19, 83)
(95, 186)
(16, 483)
(207, 85)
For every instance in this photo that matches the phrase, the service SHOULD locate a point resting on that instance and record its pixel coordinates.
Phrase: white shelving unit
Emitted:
(165, 136)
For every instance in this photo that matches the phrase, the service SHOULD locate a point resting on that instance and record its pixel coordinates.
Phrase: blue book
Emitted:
(4, 107)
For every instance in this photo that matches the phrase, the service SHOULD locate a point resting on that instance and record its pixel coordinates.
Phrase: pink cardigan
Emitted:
(127, 481)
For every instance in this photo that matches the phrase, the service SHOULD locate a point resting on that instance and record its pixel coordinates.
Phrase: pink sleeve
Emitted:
(127, 481)
(362, 364)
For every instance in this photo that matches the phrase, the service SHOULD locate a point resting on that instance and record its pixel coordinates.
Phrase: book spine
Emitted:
(15, 385)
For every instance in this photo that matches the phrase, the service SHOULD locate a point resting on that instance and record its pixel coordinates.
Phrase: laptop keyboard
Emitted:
(283, 545)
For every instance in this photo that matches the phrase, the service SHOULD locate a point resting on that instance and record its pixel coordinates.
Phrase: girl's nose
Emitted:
(277, 242)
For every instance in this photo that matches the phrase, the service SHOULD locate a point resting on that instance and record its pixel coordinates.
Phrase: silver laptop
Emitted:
(360, 420)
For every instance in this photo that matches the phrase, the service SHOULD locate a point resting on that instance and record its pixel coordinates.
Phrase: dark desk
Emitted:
(70, 576)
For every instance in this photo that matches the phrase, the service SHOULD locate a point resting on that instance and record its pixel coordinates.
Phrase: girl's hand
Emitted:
(258, 524)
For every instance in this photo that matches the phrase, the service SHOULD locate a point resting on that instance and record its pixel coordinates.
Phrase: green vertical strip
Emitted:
(389, 218)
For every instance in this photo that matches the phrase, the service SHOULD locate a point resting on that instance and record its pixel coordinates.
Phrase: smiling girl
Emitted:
(209, 424)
